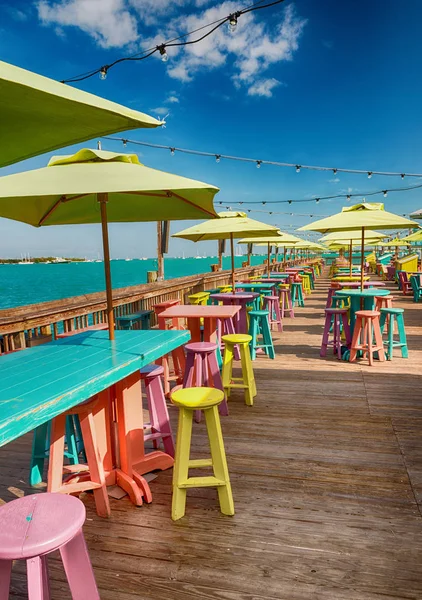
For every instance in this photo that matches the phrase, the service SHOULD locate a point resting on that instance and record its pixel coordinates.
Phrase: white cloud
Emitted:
(160, 110)
(109, 22)
(263, 87)
(173, 99)
(334, 180)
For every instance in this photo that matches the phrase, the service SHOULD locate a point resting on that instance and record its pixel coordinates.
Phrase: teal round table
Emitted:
(361, 300)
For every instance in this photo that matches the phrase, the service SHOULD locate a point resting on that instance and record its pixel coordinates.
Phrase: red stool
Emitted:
(94, 420)
(34, 526)
(367, 327)
(335, 316)
(159, 425)
(202, 371)
(272, 304)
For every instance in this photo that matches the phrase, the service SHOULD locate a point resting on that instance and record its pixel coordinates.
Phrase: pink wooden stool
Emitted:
(286, 304)
(384, 302)
(202, 371)
(95, 427)
(34, 526)
(159, 417)
(335, 316)
(272, 304)
(367, 327)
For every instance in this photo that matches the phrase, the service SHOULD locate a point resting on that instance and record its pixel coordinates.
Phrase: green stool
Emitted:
(394, 313)
(259, 324)
(297, 294)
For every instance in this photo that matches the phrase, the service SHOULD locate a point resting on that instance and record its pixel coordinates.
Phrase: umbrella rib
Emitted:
(193, 204)
(61, 200)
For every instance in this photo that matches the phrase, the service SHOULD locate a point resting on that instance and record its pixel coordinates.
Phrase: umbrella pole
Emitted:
(362, 258)
(269, 260)
(350, 256)
(232, 253)
(103, 199)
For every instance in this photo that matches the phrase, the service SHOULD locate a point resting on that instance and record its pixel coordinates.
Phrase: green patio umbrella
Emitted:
(280, 240)
(94, 186)
(38, 115)
(230, 225)
(360, 216)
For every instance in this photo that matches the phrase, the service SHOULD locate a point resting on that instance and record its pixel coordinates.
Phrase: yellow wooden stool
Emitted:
(189, 400)
(247, 381)
(306, 283)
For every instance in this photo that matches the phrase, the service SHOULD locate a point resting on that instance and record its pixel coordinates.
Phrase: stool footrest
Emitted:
(240, 386)
(156, 436)
(202, 482)
(200, 462)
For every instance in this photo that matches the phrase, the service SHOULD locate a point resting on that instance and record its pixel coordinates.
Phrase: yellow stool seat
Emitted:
(247, 381)
(197, 398)
(188, 400)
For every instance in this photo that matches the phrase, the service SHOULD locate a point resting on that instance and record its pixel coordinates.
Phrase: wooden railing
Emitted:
(30, 325)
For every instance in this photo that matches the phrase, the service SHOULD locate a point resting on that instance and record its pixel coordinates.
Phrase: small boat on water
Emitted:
(25, 260)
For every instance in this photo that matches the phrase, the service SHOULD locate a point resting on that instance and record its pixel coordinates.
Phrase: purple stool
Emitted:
(272, 304)
(34, 526)
(335, 316)
(286, 304)
(202, 371)
(331, 292)
(158, 414)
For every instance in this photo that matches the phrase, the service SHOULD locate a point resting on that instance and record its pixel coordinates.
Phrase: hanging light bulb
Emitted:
(233, 22)
(103, 73)
(297, 168)
(317, 200)
(385, 192)
(402, 175)
(348, 198)
(125, 143)
(217, 158)
(258, 164)
(289, 201)
(334, 171)
(162, 51)
(172, 150)
(369, 174)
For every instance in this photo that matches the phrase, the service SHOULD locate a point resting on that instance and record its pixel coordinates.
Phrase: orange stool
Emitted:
(367, 327)
(94, 421)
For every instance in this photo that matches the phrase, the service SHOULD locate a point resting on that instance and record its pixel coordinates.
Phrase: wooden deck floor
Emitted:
(326, 471)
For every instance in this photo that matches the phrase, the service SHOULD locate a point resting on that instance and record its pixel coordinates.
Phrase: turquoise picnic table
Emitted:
(361, 300)
(41, 383)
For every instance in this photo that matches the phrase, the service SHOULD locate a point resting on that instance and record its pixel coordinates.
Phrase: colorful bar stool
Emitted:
(388, 316)
(207, 400)
(259, 324)
(272, 304)
(335, 318)
(34, 526)
(297, 294)
(74, 447)
(159, 425)
(367, 327)
(202, 370)
(286, 304)
(94, 420)
(199, 298)
(306, 283)
(247, 381)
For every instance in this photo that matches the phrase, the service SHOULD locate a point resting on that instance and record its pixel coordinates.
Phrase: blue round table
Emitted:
(361, 300)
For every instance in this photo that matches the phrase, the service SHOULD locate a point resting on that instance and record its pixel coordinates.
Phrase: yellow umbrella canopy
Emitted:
(230, 225)
(281, 239)
(94, 186)
(360, 216)
(354, 235)
(414, 237)
(39, 115)
(396, 242)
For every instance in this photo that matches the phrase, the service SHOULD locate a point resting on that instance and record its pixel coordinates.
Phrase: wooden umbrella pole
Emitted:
(350, 256)
(284, 258)
(362, 258)
(269, 260)
(103, 199)
(232, 253)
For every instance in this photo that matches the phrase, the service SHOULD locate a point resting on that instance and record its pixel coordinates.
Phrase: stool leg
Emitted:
(355, 339)
(5, 573)
(325, 336)
(55, 465)
(219, 461)
(39, 446)
(38, 583)
(369, 333)
(254, 334)
(346, 329)
(247, 374)
(402, 336)
(78, 569)
(227, 372)
(162, 420)
(390, 345)
(72, 451)
(214, 375)
(181, 463)
(378, 340)
(189, 370)
(199, 378)
(268, 340)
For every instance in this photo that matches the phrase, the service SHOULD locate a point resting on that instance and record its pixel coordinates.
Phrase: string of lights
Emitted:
(258, 162)
(181, 40)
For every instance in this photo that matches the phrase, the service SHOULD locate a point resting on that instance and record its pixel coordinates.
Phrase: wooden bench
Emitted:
(98, 327)
(138, 320)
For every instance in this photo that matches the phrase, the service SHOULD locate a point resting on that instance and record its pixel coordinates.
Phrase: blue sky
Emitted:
(323, 83)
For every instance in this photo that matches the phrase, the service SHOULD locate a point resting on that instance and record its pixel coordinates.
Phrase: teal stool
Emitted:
(263, 293)
(41, 445)
(394, 313)
(297, 294)
(212, 301)
(259, 324)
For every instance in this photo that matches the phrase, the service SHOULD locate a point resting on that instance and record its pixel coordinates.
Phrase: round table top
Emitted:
(356, 284)
(236, 296)
(368, 293)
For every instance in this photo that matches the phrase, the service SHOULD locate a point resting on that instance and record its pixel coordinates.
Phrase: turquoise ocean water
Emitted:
(29, 284)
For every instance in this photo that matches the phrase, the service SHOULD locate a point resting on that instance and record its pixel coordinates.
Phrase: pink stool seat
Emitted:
(38, 524)
(201, 347)
(151, 371)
